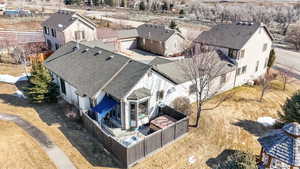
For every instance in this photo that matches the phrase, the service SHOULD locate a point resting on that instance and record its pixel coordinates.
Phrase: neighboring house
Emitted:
(127, 39)
(64, 26)
(2, 5)
(112, 3)
(280, 148)
(153, 38)
(247, 44)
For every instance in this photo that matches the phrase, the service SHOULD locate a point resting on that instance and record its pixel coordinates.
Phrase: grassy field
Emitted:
(20, 150)
(230, 126)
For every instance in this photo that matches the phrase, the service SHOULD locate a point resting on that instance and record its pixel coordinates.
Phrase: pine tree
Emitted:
(142, 6)
(291, 109)
(271, 60)
(174, 26)
(41, 88)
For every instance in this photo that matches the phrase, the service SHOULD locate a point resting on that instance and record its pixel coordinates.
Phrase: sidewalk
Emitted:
(57, 156)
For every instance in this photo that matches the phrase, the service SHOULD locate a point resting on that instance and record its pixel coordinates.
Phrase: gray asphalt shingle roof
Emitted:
(99, 44)
(130, 33)
(159, 60)
(89, 71)
(127, 79)
(233, 35)
(62, 19)
(283, 144)
(155, 32)
(176, 70)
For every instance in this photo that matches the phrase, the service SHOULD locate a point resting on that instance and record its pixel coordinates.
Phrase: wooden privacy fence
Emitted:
(130, 155)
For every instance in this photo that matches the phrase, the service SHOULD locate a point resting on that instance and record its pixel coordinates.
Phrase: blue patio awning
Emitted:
(105, 106)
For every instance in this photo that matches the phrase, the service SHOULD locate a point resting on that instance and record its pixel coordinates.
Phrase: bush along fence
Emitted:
(128, 156)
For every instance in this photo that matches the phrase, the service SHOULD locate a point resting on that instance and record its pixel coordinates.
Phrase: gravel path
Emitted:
(56, 155)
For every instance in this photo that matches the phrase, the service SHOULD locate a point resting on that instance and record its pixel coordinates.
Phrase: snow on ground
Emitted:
(12, 79)
(20, 94)
(266, 121)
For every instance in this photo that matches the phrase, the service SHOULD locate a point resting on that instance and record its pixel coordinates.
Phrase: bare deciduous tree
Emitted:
(201, 67)
(293, 37)
(265, 85)
(286, 76)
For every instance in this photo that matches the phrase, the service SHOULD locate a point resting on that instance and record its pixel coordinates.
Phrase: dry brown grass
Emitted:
(20, 150)
(21, 24)
(232, 125)
(12, 69)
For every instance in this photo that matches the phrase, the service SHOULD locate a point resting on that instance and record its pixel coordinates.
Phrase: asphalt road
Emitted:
(288, 58)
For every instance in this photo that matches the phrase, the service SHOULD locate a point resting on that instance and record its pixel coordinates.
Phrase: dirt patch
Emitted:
(20, 150)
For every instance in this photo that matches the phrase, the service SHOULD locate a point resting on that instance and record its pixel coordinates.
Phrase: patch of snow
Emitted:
(266, 121)
(12, 79)
(20, 94)
(192, 159)
(8, 79)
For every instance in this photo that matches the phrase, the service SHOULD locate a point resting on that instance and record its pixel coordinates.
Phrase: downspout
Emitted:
(123, 114)
(235, 77)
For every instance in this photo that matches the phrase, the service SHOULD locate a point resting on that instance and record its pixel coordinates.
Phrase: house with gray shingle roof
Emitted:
(153, 38)
(247, 44)
(281, 148)
(64, 26)
(90, 77)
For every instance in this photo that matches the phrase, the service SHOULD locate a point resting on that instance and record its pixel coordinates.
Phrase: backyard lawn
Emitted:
(230, 126)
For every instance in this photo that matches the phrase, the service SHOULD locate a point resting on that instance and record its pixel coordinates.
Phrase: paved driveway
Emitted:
(288, 58)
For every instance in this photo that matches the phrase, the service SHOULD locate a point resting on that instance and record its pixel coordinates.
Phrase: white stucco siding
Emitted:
(126, 44)
(254, 53)
(217, 87)
(174, 45)
(89, 33)
(154, 82)
(82, 102)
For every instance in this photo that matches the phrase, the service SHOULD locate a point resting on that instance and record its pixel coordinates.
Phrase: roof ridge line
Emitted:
(113, 76)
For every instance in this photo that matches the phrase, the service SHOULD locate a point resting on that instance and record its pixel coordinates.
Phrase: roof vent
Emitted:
(110, 57)
(75, 48)
(85, 50)
(98, 53)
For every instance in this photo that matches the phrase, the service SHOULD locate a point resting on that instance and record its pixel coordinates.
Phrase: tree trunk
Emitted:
(284, 84)
(198, 115)
(262, 95)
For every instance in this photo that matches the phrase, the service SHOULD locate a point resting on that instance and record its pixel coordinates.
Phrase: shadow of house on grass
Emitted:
(252, 127)
(77, 135)
(215, 162)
